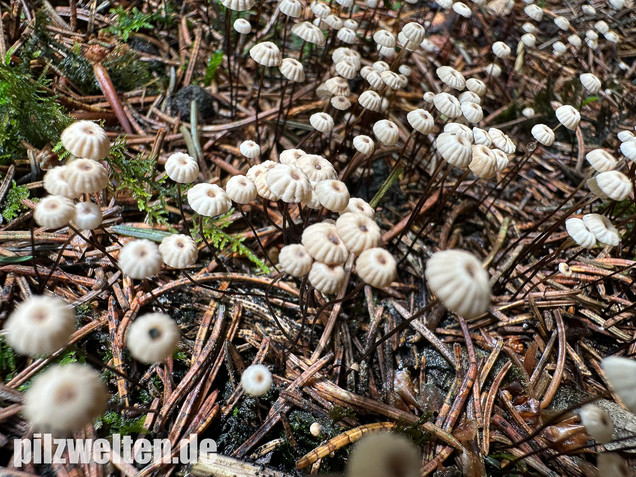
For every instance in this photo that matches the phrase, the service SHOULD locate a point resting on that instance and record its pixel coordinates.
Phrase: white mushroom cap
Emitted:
(502, 159)
(472, 112)
(347, 69)
(481, 137)
(316, 167)
(40, 325)
(562, 22)
(86, 176)
(451, 77)
(309, 33)
(88, 216)
(364, 144)
(476, 86)
(209, 200)
(340, 103)
(493, 69)
(55, 183)
(579, 232)
(602, 229)
(258, 169)
(328, 279)
(250, 149)
(256, 380)
(534, 11)
(359, 206)
(384, 38)
(543, 134)
(568, 116)
(320, 9)
(454, 149)
(322, 122)
(590, 82)
(469, 97)
(292, 69)
(238, 5)
(386, 132)
(601, 160)
(628, 148)
(358, 232)
(370, 100)
(459, 281)
(384, 454)
(241, 189)
(621, 375)
(346, 35)
(288, 183)
(448, 105)
(338, 86)
(502, 141)
(295, 260)
(242, 26)
(65, 398)
(597, 422)
(262, 188)
(421, 120)
(333, 195)
(291, 8)
(484, 162)
(323, 243)
(140, 259)
(178, 251)
(53, 212)
(459, 130)
(613, 184)
(376, 267)
(265, 53)
(152, 338)
(182, 168)
(86, 139)
(414, 32)
(501, 50)
(624, 136)
(290, 156)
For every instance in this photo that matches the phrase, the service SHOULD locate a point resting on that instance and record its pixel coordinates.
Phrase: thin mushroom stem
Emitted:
(42, 286)
(278, 130)
(183, 217)
(228, 55)
(258, 239)
(258, 106)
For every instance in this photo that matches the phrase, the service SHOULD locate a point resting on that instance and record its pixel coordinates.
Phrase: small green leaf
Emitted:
(589, 100)
(10, 260)
(140, 233)
(215, 61)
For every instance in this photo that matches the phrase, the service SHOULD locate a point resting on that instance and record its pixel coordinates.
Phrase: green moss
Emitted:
(13, 203)
(135, 20)
(114, 423)
(7, 360)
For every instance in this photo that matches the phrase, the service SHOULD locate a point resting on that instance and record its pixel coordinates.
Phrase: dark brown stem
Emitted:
(107, 87)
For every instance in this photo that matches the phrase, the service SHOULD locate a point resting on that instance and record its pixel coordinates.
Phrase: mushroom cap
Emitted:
(291, 8)
(534, 11)
(290, 156)
(568, 116)
(370, 100)
(40, 325)
(579, 232)
(320, 9)
(621, 375)
(242, 26)
(322, 122)
(386, 132)
(375, 80)
(178, 251)
(628, 148)
(88, 216)
(359, 206)
(338, 86)
(347, 35)
(86, 139)
(481, 137)
(562, 23)
(292, 70)
(340, 103)
(614, 184)
(258, 169)
(358, 232)
(421, 120)
(347, 69)
(459, 281)
(472, 112)
(208, 200)
(152, 337)
(238, 5)
(477, 86)
(451, 77)
(460, 130)
(241, 189)
(364, 144)
(543, 134)
(328, 279)
(256, 380)
(311, 201)
(601, 160)
(384, 454)
(590, 82)
(265, 53)
(323, 243)
(493, 69)
(345, 53)
(501, 50)
(65, 398)
(295, 260)
(376, 267)
(502, 159)
(332, 194)
(53, 212)
(250, 149)
(55, 183)
(139, 259)
(602, 229)
(384, 38)
(263, 188)
(309, 33)
(484, 162)
(414, 32)
(334, 21)
(316, 167)
(448, 105)
(86, 176)
(462, 9)
(624, 136)
(469, 97)
(528, 39)
(289, 183)
(502, 141)
(597, 422)
(182, 168)
(454, 149)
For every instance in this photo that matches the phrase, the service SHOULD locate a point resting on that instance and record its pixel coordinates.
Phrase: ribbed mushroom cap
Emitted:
(613, 184)
(502, 141)
(351, 23)
(266, 53)
(152, 338)
(182, 168)
(208, 200)
(543, 134)
(340, 103)
(242, 26)
(178, 251)
(320, 9)
(86, 176)
(459, 281)
(311, 201)
(295, 260)
(502, 159)
(483, 163)
(86, 139)
(534, 11)
(332, 194)
(597, 422)
(363, 144)
(53, 212)
(384, 454)
(256, 380)
(258, 169)
(493, 69)
(501, 50)
(601, 160)
(472, 112)
(289, 183)
(241, 189)
(338, 86)
(316, 167)
(238, 5)
(469, 97)
(451, 77)
(40, 325)
(579, 232)
(333, 21)
(375, 80)
(462, 9)
(55, 183)
(476, 86)
(262, 188)
(568, 116)
(562, 22)
(459, 130)
(376, 267)
(359, 206)
(448, 105)
(250, 149)
(528, 39)
(347, 69)
(322, 122)
(291, 8)
(590, 82)
(328, 279)
(602, 229)
(309, 33)
(628, 148)
(358, 232)
(624, 136)
(370, 100)
(414, 32)
(323, 243)
(621, 375)
(346, 35)
(454, 149)
(140, 259)
(384, 38)
(292, 69)
(386, 132)
(64, 398)
(481, 137)
(343, 53)
(88, 216)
